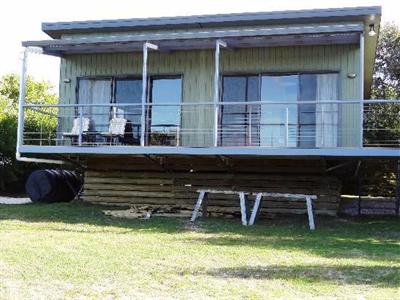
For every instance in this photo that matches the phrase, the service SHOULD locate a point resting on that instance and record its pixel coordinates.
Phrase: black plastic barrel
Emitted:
(52, 185)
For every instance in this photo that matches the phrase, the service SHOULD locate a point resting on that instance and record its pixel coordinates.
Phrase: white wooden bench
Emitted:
(242, 199)
(307, 198)
(202, 194)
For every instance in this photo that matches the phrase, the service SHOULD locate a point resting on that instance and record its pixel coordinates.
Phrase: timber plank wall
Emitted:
(172, 182)
(197, 69)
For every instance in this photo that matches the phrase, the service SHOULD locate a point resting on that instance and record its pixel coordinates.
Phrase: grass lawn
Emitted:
(74, 251)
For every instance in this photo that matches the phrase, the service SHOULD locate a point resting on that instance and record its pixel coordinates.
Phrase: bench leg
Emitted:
(198, 205)
(255, 208)
(242, 198)
(310, 213)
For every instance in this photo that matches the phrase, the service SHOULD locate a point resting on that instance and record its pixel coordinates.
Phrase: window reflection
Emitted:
(239, 123)
(165, 120)
(286, 118)
(129, 91)
(274, 132)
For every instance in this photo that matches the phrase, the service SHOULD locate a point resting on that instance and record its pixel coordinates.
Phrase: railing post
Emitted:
(322, 132)
(146, 46)
(250, 124)
(287, 127)
(41, 134)
(80, 109)
(218, 44)
(178, 133)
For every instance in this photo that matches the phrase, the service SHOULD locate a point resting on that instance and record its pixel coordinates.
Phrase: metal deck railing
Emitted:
(277, 124)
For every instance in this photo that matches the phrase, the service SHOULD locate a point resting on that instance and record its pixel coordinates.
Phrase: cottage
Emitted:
(156, 109)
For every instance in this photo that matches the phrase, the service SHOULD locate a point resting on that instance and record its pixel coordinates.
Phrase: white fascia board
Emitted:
(260, 151)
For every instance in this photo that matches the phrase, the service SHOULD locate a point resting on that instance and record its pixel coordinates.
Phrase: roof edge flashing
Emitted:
(56, 29)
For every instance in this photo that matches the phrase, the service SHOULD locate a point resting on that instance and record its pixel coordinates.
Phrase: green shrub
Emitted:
(12, 172)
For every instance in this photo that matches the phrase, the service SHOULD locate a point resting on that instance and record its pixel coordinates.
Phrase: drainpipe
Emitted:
(362, 54)
(21, 103)
(218, 45)
(146, 46)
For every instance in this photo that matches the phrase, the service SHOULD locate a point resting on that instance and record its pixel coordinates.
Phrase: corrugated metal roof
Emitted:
(55, 30)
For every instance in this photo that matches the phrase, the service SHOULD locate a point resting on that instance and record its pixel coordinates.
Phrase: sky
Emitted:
(21, 20)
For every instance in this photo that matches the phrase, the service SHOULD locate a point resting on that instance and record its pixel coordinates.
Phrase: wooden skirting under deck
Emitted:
(113, 181)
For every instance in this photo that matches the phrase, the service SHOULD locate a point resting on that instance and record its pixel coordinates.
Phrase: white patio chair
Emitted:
(75, 131)
(116, 130)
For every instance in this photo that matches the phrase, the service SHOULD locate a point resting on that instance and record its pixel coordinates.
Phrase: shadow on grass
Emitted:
(369, 238)
(375, 239)
(353, 274)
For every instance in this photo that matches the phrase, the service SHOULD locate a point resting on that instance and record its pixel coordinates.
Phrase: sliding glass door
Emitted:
(162, 117)
(294, 111)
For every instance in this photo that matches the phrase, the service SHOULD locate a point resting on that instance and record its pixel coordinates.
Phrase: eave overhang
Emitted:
(264, 36)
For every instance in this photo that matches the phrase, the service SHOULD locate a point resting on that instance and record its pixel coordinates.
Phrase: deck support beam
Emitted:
(218, 45)
(146, 46)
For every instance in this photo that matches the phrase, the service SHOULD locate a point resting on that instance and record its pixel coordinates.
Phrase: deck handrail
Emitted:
(263, 123)
(276, 102)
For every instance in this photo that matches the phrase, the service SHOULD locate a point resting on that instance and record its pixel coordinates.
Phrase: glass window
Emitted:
(129, 91)
(239, 126)
(307, 118)
(165, 120)
(274, 116)
(96, 91)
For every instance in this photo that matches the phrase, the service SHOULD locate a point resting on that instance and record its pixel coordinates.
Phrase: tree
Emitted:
(386, 79)
(12, 173)
(382, 121)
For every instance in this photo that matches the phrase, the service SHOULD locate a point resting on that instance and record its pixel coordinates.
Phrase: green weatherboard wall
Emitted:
(197, 68)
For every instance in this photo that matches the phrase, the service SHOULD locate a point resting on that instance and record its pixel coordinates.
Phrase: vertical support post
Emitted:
(197, 206)
(80, 108)
(242, 198)
(218, 44)
(398, 188)
(361, 109)
(310, 213)
(146, 46)
(21, 100)
(255, 208)
(287, 127)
